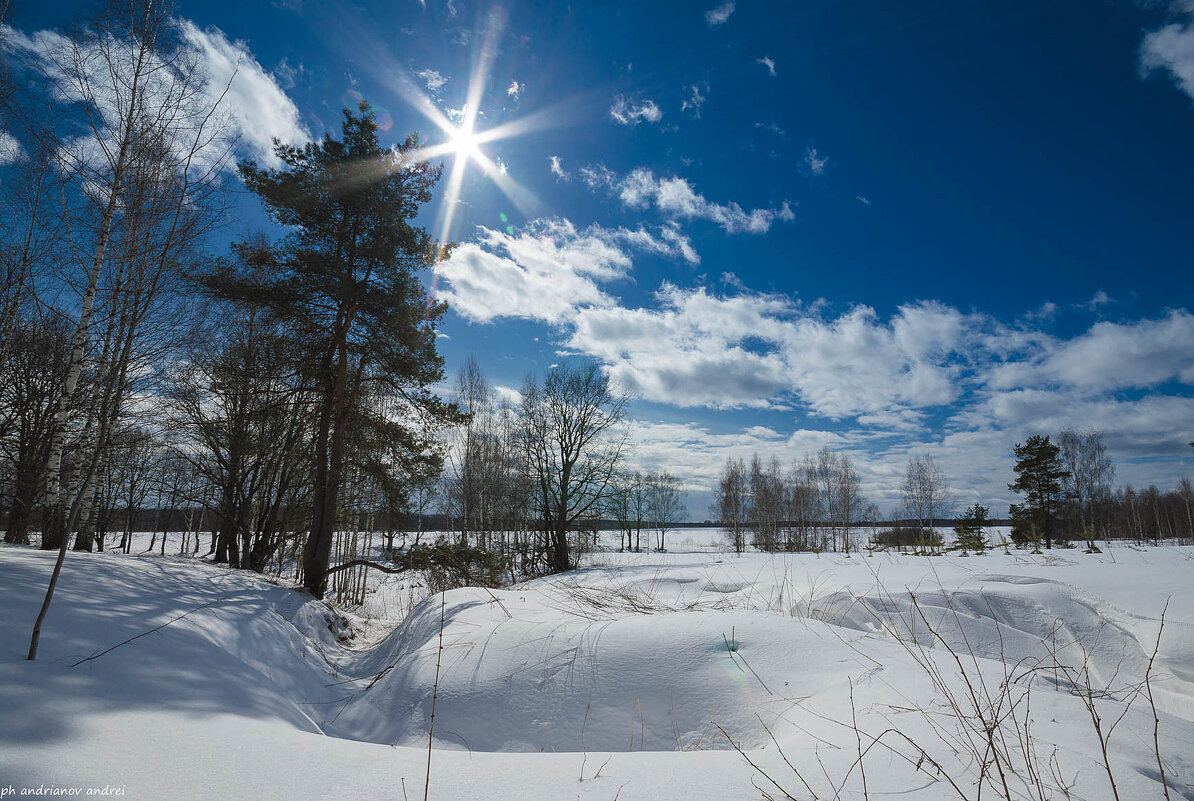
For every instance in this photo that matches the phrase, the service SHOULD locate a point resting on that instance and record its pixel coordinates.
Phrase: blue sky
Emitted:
(886, 228)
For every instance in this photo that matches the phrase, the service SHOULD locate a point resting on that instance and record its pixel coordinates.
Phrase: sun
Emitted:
(465, 143)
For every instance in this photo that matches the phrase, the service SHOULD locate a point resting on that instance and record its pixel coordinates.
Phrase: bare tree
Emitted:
(825, 473)
(926, 492)
(732, 506)
(850, 505)
(244, 416)
(29, 390)
(1084, 457)
(803, 505)
(29, 233)
(665, 507)
(572, 443)
(766, 502)
(623, 506)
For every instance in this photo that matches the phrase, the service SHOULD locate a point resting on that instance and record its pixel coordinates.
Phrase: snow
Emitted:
(620, 680)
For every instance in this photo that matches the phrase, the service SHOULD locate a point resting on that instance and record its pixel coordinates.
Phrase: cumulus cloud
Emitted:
(598, 176)
(624, 112)
(769, 63)
(1109, 356)
(697, 453)
(515, 90)
(717, 16)
(549, 272)
(674, 197)
(927, 377)
(669, 241)
(762, 350)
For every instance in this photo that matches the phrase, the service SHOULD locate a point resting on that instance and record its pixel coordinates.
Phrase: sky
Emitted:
(889, 229)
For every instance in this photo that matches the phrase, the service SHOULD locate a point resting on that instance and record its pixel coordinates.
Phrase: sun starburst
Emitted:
(464, 142)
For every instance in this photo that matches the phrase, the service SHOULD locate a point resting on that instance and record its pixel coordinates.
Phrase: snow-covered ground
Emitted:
(627, 679)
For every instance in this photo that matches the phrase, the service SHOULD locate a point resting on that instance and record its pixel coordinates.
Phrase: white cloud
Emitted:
(718, 15)
(260, 110)
(433, 79)
(815, 162)
(926, 378)
(598, 176)
(515, 90)
(1109, 356)
(1172, 48)
(694, 101)
(675, 198)
(287, 74)
(10, 149)
(544, 274)
(548, 272)
(769, 63)
(760, 350)
(557, 168)
(625, 112)
(863, 199)
(668, 242)
(251, 102)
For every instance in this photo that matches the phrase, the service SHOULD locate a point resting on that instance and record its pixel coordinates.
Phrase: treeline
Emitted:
(814, 504)
(1066, 486)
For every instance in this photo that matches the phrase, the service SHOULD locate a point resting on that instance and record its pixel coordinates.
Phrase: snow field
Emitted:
(630, 674)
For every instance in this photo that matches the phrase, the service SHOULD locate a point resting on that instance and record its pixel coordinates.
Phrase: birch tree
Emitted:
(141, 108)
(1084, 457)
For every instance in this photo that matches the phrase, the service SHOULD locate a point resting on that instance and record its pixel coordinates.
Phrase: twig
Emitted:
(1148, 688)
(364, 563)
(858, 739)
(434, 693)
(751, 762)
(142, 634)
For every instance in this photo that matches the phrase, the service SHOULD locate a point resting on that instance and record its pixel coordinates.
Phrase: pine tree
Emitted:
(344, 285)
(970, 529)
(1038, 477)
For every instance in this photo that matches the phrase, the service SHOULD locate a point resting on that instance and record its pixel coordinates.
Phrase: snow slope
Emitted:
(620, 680)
